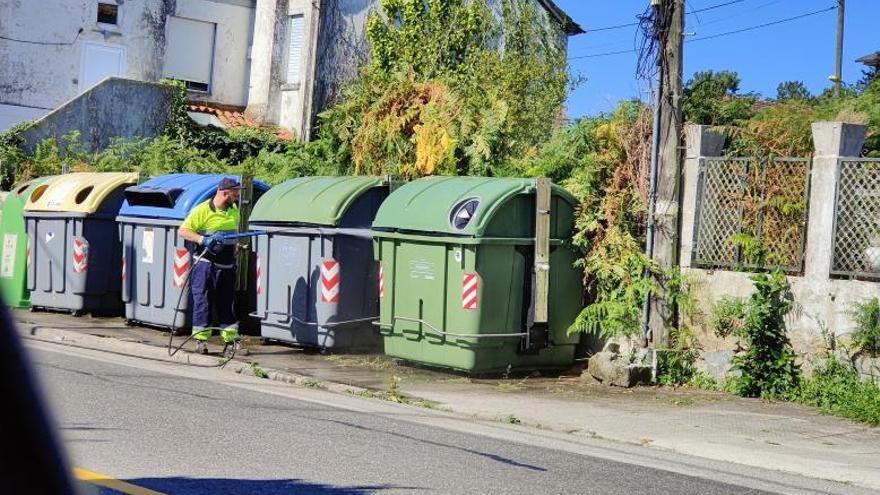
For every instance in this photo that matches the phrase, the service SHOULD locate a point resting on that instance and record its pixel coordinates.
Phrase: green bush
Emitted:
(836, 389)
(767, 367)
(866, 337)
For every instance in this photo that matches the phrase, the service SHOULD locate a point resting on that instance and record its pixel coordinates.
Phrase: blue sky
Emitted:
(798, 50)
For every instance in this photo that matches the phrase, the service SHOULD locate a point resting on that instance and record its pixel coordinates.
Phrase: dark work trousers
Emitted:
(213, 293)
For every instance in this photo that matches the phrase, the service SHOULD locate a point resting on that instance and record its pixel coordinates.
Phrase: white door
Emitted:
(99, 61)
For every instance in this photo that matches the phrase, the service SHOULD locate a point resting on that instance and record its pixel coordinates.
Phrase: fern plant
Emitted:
(866, 337)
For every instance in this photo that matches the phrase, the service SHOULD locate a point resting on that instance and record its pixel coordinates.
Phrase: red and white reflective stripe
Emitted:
(80, 255)
(123, 267)
(470, 284)
(180, 267)
(259, 281)
(381, 280)
(330, 281)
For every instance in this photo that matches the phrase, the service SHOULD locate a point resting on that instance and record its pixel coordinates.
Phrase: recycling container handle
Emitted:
(450, 334)
(267, 313)
(310, 323)
(332, 324)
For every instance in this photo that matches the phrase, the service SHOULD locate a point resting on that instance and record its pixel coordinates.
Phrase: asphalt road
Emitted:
(180, 430)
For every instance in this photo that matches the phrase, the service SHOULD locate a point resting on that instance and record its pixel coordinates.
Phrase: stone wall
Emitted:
(822, 302)
(114, 107)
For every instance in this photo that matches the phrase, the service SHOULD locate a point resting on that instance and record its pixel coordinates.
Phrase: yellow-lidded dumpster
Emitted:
(76, 257)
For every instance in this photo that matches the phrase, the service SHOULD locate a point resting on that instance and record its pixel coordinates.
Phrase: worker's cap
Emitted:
(228, 183)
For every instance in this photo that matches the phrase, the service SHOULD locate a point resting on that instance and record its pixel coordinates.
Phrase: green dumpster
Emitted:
(457, 277)
(15, 254)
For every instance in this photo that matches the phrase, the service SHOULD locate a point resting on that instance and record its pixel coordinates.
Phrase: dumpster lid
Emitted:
(172, 196)
(81, 192)
(461, 206)
(312, 200)
(22, 190)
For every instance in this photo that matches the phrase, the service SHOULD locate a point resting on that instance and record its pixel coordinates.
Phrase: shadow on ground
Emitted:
(218, 486)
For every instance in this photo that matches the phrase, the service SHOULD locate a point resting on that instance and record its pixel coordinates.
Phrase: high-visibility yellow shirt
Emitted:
(205, 218)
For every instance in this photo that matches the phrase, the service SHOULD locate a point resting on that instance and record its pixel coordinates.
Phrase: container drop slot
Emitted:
(82, 195)
(157, 198)
(38, 192)
(21, 189)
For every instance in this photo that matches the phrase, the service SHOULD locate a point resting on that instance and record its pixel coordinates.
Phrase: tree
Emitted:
(712, 98)
(869, 75)
(792, 90)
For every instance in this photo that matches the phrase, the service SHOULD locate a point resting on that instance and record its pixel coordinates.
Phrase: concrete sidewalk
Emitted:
(770, 435)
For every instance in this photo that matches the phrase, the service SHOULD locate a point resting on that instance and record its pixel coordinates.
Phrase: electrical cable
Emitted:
(718, 35)
(45, 43)
(697, 11)
(766, 24)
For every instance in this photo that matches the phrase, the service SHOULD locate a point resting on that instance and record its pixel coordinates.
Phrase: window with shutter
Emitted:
(189, 52)
(295, 48)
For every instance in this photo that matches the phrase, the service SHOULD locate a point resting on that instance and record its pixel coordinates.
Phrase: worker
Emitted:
(212, 281)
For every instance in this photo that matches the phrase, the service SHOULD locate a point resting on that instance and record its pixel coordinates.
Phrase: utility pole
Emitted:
(665, 198)
(838, 66)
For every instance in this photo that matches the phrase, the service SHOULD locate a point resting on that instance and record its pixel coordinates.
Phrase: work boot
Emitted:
(234, 348)
(201, 347)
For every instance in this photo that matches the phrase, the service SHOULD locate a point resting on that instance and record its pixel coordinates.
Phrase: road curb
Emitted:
(148, 351)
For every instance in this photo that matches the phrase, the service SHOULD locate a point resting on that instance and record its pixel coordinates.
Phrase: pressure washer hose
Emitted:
(174, 350)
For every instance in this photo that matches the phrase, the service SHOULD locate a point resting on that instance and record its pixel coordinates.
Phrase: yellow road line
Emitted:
(112, 483)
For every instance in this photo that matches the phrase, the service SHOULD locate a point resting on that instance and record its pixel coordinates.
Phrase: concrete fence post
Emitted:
(700, 142)
(831, 141)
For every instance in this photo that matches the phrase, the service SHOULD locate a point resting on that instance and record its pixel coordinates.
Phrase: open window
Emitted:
(108, 13)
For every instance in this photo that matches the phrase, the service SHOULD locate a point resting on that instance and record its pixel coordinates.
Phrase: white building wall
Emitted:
(43, 76)
(234, 36)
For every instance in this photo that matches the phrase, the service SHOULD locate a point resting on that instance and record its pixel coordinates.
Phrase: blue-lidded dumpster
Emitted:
(155, 259)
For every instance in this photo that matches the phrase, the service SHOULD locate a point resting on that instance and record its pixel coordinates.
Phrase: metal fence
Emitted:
(857, 219)
(751, 213)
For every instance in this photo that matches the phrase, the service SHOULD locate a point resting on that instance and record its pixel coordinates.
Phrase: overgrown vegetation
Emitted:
(779, 127)
(767, 367)
(866, 337)
(676, 365)
(441, 97)
(765, 364)
(836, 388)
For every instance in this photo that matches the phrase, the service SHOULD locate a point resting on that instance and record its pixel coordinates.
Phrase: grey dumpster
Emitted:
(317, 281)
(71, 223)
(155, 260)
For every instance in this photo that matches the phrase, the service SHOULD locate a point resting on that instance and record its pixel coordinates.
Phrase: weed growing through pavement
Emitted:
(257, 371)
